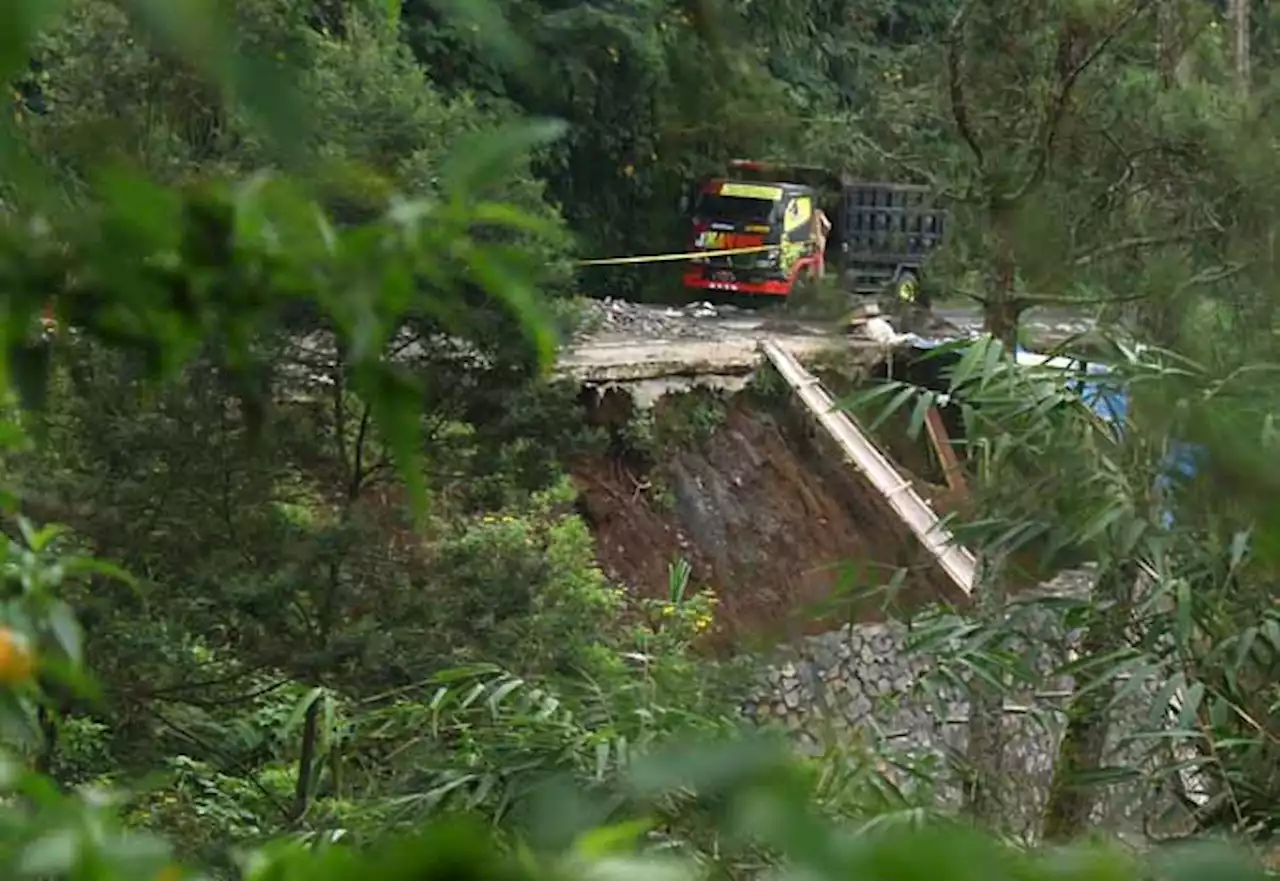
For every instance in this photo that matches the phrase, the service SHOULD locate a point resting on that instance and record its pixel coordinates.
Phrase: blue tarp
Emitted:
(1111, 404)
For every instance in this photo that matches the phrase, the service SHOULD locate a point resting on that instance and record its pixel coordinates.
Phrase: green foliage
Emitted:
(1054, 476)
(677, 422)
(300, 260)
(524, 589)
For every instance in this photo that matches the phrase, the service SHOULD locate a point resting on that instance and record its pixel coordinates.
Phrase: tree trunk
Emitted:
(1001, 311)
(1072, 798)
(306, 762)
(48, 754)
(1166, 43)
(985, 756)
(1238, 12)
(986, 747)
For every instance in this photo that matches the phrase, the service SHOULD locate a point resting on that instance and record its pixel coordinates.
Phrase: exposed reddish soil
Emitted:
(789, 537)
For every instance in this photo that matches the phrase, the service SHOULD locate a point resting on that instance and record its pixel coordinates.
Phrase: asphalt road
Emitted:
(1065, 320)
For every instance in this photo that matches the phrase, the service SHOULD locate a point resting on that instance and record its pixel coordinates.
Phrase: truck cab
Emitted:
(759, 236)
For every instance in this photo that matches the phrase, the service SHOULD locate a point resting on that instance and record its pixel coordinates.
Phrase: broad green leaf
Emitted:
(471, 671)
(396, 403)
(1158, 713)
(510, 217)
(472, 696)
(66, 629)
(1101, 522)
(483, 19)
(1239, 547)
(53, 854)
(1184, 611)
(301, 708)
(140, 854)
(612, 839)
(919, 414)
(1190, 709)
(893, 406)
(78, 566)
(707, 767)
(481, 159)
(39, 539)
(992, 360)
(967, 367)
(510, 288)
(503, 691)
(602, 759)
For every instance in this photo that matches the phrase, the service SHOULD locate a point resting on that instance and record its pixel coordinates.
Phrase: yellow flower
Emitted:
(17, 660)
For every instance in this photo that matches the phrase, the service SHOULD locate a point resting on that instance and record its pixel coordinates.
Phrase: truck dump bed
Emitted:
(884, 228)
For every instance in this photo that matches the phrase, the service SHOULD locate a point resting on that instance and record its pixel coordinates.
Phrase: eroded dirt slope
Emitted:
(769, 518)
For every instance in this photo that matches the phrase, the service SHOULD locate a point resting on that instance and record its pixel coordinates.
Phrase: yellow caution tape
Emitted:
(671, 258)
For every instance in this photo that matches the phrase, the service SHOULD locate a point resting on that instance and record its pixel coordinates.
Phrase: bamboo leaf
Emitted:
(483, 158)
(919, 414)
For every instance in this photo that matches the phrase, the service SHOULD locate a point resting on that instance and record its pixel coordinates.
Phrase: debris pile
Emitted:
(690, 321)
(882, 322)
(904, 324)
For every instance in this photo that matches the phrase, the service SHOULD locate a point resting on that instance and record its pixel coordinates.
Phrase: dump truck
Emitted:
(881, 237)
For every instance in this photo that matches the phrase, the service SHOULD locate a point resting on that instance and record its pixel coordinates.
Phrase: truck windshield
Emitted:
(733, 209)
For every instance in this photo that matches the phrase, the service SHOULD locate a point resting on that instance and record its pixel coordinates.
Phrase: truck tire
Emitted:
(907, 290)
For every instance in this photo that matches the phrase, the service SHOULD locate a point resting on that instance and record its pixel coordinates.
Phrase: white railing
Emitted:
(957, 561)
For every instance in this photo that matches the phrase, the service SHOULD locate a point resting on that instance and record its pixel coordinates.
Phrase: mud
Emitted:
(790, 538)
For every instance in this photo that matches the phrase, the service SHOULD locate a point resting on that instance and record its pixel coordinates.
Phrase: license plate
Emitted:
(722, 276)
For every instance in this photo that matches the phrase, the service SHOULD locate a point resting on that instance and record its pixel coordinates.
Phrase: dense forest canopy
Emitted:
(319, 580)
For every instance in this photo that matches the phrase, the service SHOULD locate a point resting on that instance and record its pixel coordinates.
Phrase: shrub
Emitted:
(523, 589)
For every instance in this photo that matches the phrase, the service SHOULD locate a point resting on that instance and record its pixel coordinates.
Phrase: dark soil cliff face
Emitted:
(789, 537)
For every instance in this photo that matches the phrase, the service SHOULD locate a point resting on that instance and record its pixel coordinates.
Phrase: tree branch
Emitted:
(1212, 275)
(165, 692)
(239, 765)
(912, 168)
(955, 83)
(1029, 301)
(1107, 197)
(1135, 243)
(982, 299)
(1057, 108)
(358, 470)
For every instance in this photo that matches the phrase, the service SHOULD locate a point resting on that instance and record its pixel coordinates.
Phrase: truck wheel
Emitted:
(906, 289)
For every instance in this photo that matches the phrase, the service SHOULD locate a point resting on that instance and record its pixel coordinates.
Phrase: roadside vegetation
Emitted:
(295, 581)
